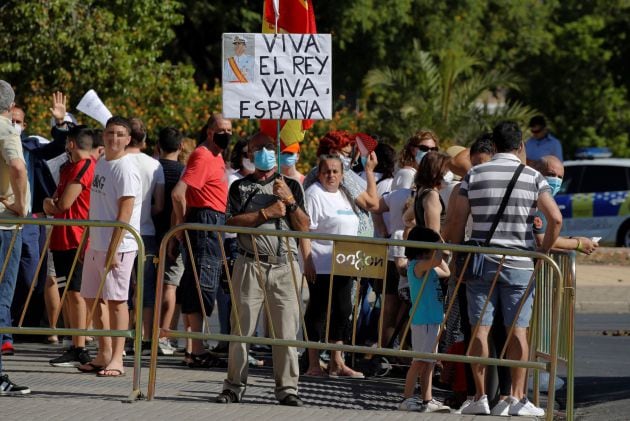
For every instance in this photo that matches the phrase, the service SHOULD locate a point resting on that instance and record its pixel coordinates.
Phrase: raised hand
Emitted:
(59, 104)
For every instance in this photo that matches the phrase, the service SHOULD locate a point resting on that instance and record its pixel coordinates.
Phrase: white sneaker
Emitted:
(525, 408)
(502, 408)
(436, 406)
(478, 407)
(165, 347)
(412, 404)
(464, 405)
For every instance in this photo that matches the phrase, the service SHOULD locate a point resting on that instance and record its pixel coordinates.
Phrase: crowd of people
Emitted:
(360, 186)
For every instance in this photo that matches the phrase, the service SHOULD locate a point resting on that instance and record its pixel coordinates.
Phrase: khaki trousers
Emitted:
(284, 310)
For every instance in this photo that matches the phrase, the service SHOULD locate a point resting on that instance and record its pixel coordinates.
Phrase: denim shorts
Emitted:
(508, 293)
(208, 263)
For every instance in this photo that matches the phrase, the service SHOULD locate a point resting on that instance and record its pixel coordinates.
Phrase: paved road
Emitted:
(186, 394)
(602, 386)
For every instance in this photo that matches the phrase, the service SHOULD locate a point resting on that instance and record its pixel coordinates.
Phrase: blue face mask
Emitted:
(364, 161)
(288, 160)
(554, 183)
(264, 159)
(419, 155)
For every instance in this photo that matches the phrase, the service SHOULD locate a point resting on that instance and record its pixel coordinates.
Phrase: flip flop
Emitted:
(103, 372)
(93, 368)
(320, 374)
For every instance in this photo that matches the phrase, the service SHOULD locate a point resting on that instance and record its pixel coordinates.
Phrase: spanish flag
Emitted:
(295, 17)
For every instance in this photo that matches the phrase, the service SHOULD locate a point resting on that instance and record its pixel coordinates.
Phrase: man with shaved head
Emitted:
(200, 197)
(553, 170)
(263, 269)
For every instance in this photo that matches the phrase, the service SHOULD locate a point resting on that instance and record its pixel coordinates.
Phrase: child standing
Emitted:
(424, 270)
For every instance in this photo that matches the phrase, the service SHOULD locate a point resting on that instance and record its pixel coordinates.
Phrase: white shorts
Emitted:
(116, 286)
(423, 339)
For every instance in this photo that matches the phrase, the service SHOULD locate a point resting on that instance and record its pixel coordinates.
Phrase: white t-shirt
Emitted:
(113, 180)
(151, 174)
(395, 201)
(330, 213)
(403, 178)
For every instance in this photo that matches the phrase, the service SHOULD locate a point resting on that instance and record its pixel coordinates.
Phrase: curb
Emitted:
(602, 307)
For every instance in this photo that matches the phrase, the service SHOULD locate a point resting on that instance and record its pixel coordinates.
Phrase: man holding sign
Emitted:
(240, 67)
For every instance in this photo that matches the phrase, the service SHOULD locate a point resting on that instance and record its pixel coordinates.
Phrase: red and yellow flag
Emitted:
(296, 17)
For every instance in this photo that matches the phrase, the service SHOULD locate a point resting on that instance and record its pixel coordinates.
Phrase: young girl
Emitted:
(426, 318)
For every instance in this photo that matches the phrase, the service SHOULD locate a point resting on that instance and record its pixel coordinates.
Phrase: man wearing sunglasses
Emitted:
(541, 143)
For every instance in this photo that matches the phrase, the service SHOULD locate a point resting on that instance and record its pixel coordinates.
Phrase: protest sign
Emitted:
(277, 76)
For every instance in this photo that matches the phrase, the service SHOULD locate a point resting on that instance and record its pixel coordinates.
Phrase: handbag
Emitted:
(474, 270)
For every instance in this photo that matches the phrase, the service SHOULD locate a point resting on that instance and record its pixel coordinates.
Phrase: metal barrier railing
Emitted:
(134, 333)
(543, 321)
(363, 261)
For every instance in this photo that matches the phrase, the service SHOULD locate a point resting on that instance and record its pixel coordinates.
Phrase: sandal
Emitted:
(187, 358)
(113, 372)
(315, 373)
(204, 360)
(346, 372)
(90, 368)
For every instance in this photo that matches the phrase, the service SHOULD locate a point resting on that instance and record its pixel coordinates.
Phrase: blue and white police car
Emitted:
(595, 200)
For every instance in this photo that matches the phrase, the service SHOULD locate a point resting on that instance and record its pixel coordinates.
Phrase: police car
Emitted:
(595, 200)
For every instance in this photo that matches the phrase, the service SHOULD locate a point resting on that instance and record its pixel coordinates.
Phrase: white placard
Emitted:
(277, 76)
(92, 105)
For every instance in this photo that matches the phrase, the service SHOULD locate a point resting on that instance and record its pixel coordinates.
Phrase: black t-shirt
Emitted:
(172, 173)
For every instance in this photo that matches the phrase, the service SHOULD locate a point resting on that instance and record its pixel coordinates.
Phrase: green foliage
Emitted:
(580, 83)
(442, 94)
(113, 47)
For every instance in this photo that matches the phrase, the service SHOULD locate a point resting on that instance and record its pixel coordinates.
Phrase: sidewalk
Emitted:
(186, 394)
(603, 288)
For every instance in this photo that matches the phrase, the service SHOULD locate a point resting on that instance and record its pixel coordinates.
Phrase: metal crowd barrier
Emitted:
(134, 333)
(362, 257)
(543, 320)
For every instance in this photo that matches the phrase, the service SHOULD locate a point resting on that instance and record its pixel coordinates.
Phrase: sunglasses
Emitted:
(425, 148)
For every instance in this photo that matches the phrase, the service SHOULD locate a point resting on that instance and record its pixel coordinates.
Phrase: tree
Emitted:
(440, 93)
(581, 83)
(113, 46)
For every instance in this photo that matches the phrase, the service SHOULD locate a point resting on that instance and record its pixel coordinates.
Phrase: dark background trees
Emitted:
(398, 65)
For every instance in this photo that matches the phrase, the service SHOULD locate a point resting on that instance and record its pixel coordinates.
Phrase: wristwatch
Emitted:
(292, 207)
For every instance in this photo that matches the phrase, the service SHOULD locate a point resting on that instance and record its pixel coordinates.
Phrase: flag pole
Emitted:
(276, 11)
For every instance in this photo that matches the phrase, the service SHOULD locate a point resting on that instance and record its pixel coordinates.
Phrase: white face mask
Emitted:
(18, 128)
(248, 165)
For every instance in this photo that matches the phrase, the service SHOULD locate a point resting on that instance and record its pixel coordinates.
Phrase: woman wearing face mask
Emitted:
(415, 149)
(289, 157)
(239, 162)
(341, 143)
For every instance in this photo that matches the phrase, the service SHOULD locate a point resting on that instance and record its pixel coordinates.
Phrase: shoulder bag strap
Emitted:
(506, 197)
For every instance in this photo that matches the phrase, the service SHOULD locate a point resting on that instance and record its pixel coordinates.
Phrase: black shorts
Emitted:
(392, 280)
(63, 263)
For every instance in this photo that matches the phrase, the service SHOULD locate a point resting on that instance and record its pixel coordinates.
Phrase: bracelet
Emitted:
(264, 214)
(579, 245)
(289, 199)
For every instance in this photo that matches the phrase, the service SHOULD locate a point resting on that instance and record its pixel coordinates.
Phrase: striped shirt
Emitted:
(485, 185)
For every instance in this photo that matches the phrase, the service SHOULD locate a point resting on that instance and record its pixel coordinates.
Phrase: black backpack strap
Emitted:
(506, 197)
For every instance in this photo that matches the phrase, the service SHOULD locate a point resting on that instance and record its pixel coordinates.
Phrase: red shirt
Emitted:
(206, 180)
(69, 238)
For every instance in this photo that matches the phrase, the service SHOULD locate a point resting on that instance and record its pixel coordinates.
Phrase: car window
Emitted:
(603, 178)
(571, 180)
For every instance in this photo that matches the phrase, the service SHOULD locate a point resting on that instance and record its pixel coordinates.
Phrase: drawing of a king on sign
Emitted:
(280, 76)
